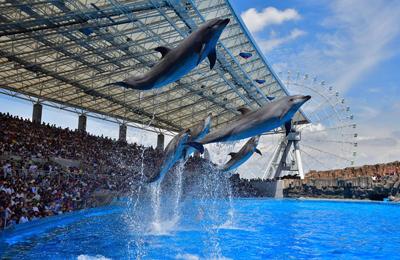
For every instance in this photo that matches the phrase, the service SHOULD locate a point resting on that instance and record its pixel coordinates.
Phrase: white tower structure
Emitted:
(286, 159)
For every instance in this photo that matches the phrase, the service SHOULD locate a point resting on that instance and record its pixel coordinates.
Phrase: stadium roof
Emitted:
(64, 52)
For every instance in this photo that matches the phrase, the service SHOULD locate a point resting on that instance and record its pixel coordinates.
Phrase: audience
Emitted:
(34, 185)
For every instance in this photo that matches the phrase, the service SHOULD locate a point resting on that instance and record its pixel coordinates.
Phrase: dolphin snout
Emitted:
(224, 22)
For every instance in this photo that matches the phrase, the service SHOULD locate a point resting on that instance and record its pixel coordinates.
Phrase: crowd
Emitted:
(34, 185)
(40, 190)
(47, 170)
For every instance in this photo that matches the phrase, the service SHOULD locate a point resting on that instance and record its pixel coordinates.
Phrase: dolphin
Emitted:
(177, 62)
(198, 132)
(172, 153)
(243, 155)
(252, 123)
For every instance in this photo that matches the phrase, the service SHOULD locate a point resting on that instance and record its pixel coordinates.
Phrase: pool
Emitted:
(214, 229)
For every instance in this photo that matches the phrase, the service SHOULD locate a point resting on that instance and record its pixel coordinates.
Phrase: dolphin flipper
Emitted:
(198, 146)
(244, 110)
(212, 57)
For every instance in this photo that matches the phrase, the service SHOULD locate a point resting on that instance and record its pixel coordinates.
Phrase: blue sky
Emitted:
(353, 45)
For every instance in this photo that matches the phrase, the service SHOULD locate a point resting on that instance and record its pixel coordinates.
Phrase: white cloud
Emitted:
(256, 21)
(373, 141)
(367, 112)
(268, 45)
(377, 147)
(315, 128)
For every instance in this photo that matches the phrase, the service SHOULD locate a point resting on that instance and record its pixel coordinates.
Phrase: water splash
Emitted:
(157, 209)
(210, 200)
(167, 204)
(156, 226)
(231, 211)
(178, 190)
(136, 206)
(217, 195)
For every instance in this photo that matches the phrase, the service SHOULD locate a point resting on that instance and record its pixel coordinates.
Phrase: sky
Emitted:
(352, 44)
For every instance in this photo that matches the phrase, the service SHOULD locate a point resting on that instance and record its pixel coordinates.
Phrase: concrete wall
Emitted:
(272, 189)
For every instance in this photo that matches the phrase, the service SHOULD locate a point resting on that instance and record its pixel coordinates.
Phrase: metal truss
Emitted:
(64, 52)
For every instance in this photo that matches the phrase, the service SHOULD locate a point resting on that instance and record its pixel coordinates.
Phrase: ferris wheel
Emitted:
(328, 141)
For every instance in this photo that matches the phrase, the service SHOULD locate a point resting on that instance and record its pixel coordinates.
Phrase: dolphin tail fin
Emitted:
(198, 146)
(221, 168)
(232, 154)
(132, 83)
(258, 151)
(119, 83)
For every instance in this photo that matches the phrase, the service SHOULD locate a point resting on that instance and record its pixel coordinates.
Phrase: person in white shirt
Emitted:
(23, 219)
(36, 197)
(6, 169)
(33, 168)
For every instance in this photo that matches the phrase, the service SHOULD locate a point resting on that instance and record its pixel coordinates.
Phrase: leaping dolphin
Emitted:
(172, 153)
(197, 133)
(243, 155)
(252, 123)
(177, 62)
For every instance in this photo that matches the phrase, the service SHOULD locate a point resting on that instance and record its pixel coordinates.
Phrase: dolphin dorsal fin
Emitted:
(244, 110)
(288, 127)
(163, 50)
(232, 154)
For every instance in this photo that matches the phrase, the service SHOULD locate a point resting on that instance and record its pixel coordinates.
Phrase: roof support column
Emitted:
(37, 113)
(82, 123)
(122, 132)
(160, 142)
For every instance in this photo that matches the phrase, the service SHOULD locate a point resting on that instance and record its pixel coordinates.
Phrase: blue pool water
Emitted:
(215, 229)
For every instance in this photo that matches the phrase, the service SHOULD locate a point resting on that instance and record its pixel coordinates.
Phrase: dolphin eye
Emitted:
(291, 100)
